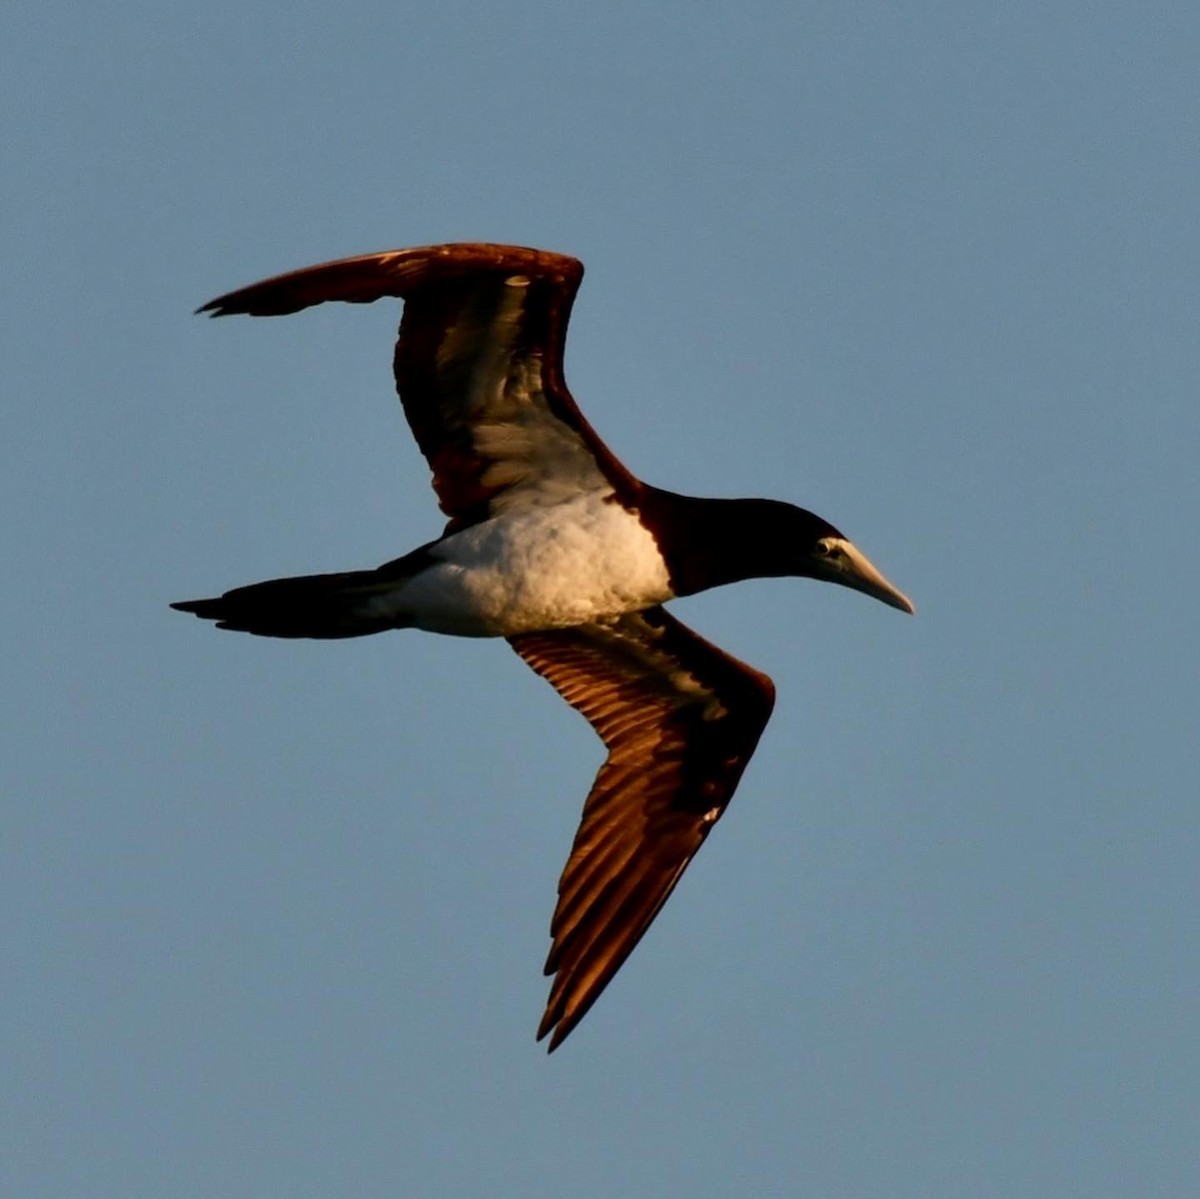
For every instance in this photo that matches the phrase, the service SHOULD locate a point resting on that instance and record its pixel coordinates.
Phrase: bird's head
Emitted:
(793, 541)
(718, 541)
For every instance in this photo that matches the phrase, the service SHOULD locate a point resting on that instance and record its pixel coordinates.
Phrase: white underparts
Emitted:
(534, 568)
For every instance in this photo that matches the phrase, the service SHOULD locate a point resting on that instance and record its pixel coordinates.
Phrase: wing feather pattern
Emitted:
(478, 365)
(680, 719)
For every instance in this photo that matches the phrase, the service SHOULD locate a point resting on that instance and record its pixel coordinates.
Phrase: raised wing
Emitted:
(478, 367)
(680, 719)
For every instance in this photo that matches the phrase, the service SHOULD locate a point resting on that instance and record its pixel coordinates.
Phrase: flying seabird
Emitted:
(552, 544)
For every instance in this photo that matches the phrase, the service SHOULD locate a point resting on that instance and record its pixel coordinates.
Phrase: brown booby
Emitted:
(552, 544)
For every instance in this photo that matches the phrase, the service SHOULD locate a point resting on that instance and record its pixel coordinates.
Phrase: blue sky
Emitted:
(274, 913)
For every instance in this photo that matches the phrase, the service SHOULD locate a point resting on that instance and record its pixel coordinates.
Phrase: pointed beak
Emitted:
(851, 567)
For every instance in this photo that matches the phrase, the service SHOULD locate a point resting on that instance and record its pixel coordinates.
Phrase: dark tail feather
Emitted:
(323, 606)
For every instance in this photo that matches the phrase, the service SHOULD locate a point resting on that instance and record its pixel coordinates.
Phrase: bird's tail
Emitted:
(346, 604)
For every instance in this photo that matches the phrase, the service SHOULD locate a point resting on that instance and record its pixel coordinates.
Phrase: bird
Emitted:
(553, 544)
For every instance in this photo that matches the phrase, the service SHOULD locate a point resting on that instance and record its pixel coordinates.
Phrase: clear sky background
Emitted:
(274, 913)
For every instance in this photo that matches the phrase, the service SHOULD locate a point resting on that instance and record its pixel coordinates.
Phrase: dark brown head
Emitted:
(710, 542)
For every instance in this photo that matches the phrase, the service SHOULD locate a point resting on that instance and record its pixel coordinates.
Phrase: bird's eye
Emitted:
(824, 549)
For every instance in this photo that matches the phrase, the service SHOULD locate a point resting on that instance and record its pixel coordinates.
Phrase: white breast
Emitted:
(536, 568)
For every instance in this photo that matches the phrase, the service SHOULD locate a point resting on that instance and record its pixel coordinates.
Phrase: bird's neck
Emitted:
(709, 542)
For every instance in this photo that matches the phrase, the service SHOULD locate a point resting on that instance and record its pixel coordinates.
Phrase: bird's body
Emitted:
(554, 545)
(577, 560)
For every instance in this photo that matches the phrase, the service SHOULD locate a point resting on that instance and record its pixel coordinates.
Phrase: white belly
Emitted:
(538, 569)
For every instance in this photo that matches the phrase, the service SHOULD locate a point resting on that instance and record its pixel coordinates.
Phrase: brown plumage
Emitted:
(680, 719)
(474, 314)
(479, 369)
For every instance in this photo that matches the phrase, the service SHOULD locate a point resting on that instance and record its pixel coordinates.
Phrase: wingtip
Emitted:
(556, 1038)
(555, 1026)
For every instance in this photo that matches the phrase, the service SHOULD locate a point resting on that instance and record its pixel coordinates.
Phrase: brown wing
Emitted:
(478, 367)
(680, 719)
